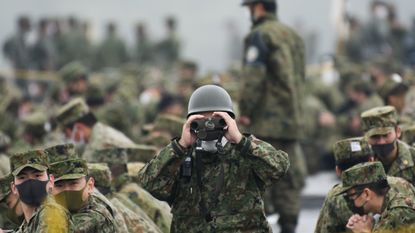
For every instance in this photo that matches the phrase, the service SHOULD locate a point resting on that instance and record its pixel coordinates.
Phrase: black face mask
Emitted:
(383, 150)
(32, 192)
(357, 210)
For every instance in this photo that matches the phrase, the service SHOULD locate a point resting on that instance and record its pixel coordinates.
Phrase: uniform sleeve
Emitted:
(92, 221)
(397, 218)
(268, 163)
(255, 61)
(160, 174)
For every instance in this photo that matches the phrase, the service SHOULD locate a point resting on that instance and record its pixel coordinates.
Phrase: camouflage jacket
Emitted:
(232, 185)
(335, 213)
(49, 217)
(158, 211)
(94, 217)
(273, 76)
(114, 211)
(134, 222)
(103, 137)
(404, 166)
(398, 209)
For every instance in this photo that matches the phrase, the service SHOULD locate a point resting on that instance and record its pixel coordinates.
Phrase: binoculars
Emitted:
(208, 129)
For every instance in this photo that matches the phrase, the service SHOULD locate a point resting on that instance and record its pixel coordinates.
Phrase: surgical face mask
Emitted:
(71, 200)
(210, 146)
(79, 144)
(32, 192)
(357, 210)
(383, 150)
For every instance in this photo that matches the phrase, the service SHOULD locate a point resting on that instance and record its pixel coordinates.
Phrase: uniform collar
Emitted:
(403, 160)
(266, 17)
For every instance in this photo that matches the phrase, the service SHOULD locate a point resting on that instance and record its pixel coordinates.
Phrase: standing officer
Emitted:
(214, 177)
(270, 103)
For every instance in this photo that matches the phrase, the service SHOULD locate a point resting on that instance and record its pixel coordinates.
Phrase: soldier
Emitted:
(75, 77)
(143, 45)
(31, 183)
(168, 49)
(135, 218)
(43, 52)
(381, 129)
(393, 92)
(190, 174)
(11, 212)
(117, 158)
(271, 99)
(335, 213)
(112, 51)
(80, 125)
(367, 190)
(73, 190)
(16, 48)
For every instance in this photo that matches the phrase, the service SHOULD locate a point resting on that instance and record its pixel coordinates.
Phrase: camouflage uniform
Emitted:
(382, 120)
(398, 209)
(116, 158)
(8, 221)
(335, 213)
(102, 136)
(93, 216)
(49, 216)
(135, 221)
(274, 73)
(231, 186)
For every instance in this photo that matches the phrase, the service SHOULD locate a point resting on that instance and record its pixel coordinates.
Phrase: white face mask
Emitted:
(79, 144)
(210, 146)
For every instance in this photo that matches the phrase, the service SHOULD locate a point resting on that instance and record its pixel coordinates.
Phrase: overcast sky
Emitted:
(202, 24)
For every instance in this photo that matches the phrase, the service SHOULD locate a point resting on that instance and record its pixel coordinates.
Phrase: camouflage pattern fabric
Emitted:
(147, 223)
(73, 71)
(134, 222)
(114, 210)
(94, 217)
(5, 186)
(141, 153)
(72, 111)
(351, 149)
(379, 120)
(36, 159)
(335, 213)
(103, 137)
(69, 169)
(49, 217)
(250, 166)
(361, 174)
(158, 211)
(274, 73)
(101, 174)
(397, 212)
(404, 165)
(61, 152)
(4, 165)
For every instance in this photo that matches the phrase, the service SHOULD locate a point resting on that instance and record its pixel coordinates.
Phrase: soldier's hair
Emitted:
(270, 7)
(346, 164)
(380, 188)
(88, 119)
(398, 90)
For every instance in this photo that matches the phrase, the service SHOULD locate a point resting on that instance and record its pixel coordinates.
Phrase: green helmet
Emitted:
(247, 2)
(210, 98)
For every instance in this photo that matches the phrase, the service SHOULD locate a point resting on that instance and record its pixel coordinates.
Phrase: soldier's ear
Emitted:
(90, 184)
(398, 132)
(13, 188)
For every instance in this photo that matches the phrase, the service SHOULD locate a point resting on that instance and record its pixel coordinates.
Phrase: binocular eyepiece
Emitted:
(208, 129)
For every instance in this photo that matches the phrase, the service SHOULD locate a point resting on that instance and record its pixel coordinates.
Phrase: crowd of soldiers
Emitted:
(79, 121)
